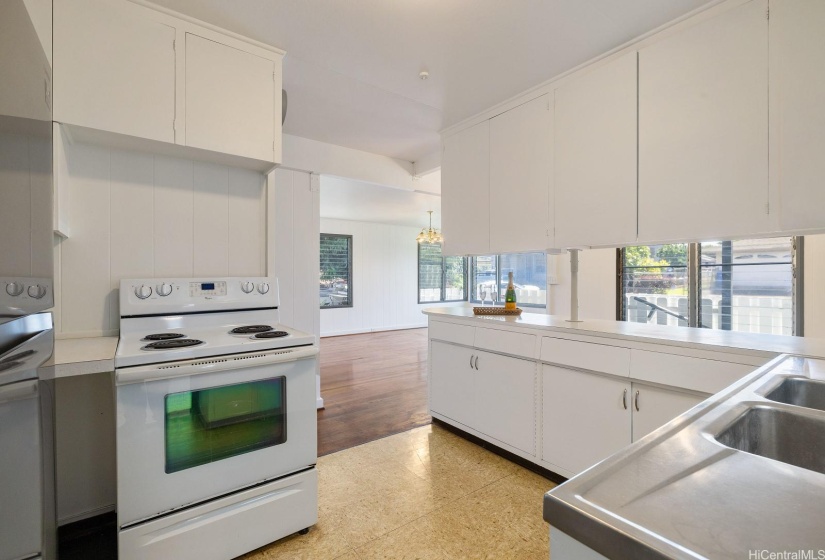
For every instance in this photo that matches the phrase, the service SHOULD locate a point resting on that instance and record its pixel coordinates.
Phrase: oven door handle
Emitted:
(141, 374)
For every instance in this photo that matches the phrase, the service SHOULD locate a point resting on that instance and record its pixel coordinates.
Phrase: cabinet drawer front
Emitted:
(449, 332)
(695, 374)
(506, 342)
(586, 355)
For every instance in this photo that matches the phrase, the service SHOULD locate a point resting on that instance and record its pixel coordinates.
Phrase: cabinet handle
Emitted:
(476, 363)
(471, 361)
(637, 401)
(624, 399)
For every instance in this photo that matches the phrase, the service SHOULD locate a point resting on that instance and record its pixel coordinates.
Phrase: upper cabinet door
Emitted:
(230, 100)
(113, 72)
(595, 156)
(520, 178)
(465, 191)
(798, 111)
(703, 129)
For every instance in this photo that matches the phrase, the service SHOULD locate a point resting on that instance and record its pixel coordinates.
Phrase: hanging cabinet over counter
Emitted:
(131, 76)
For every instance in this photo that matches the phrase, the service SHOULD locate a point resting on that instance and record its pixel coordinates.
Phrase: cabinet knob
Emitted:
(624, 399)
(471, 361)
(476, 363)
(637, 401)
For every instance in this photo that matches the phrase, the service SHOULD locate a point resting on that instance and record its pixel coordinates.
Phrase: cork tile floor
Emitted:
(422, 494)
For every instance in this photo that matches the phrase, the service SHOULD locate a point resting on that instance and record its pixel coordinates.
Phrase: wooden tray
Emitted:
(495, 311)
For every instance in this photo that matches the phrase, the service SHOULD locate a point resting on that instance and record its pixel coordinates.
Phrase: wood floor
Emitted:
(373, 385)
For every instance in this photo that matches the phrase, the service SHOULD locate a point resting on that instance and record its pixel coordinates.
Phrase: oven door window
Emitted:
(220, 422)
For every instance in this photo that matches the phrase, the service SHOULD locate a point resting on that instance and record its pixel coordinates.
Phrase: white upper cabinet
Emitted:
(797, 30)
(230, 99)
(520, 178)
(595, 156)
(112, 72)
(163, 83)
(703, 129)
(465, 191)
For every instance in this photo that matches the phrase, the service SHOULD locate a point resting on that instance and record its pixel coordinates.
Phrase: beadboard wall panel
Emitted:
(141, 215)
(294, 238)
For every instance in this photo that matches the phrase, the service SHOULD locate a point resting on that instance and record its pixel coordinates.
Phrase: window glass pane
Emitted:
(529, 277)
(485, 279)
(489, 278)
(336, 270)
(221, 422)
(747, 285)
(454, 277)
(429, 272)
(655, 284)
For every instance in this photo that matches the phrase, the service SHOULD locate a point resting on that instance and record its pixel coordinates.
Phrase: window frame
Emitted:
(443, 290)
(694, 269)
(471, 267)
(350, 250)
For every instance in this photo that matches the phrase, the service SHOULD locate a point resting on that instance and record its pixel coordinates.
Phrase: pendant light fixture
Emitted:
(429, 235)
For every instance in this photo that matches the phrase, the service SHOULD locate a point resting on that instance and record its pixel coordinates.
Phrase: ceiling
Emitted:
(343, 199)
(351, 70)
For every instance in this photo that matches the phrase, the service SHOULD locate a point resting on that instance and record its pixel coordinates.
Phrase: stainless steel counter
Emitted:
(738, 473)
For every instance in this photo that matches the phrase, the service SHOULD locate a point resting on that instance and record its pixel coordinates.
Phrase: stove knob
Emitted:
(37, 291)
(143, 291)
(263, 287)
(247, 287)
(14, 289)
(164, 289)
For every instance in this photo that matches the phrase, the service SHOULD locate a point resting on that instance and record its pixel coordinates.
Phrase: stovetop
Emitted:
(172, 319)
(212, 330)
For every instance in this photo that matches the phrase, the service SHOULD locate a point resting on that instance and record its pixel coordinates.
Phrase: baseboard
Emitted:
(375, 330)
(521, 461)
(69, 519)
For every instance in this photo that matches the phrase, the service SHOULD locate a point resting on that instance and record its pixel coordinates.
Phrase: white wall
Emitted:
(597, 284)
(85, 447)
(814, 293)
(384, 283)
(134, 215)
(293, 202)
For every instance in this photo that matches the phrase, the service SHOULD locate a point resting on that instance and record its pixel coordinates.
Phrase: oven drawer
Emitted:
(227, 527)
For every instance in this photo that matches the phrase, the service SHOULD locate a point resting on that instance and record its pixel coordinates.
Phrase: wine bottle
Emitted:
(510, 296)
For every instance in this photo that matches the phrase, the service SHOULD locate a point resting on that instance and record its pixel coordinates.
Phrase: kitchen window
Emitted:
(440, 279)
(336, 271)
(750, 285)
(489, 273)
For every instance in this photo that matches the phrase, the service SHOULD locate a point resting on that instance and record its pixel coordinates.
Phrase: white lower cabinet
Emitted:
(585, 417)
(492, 394)
(654, 407)
(505, 399)
(451, 382)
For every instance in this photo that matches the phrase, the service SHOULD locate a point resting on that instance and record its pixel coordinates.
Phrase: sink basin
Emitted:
(777, 434)
(800, 392)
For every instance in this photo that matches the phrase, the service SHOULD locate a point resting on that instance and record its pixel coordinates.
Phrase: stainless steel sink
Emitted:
(800, 391)
(778, 434)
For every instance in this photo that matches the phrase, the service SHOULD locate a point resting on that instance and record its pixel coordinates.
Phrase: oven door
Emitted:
(194, 430)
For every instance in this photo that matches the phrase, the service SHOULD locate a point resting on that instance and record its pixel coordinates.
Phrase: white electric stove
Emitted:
(216, 419)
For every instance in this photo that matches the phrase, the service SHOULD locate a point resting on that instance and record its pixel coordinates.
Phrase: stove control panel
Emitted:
(149, 296)
(207, 289)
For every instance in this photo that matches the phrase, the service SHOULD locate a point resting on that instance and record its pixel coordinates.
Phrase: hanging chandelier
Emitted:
(429, 235)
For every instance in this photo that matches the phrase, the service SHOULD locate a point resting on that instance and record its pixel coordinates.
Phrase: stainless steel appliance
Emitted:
(27, 526)
(216, 419)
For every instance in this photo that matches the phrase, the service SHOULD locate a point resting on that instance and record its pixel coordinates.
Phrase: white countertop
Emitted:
(82, 356)
(755, 344)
